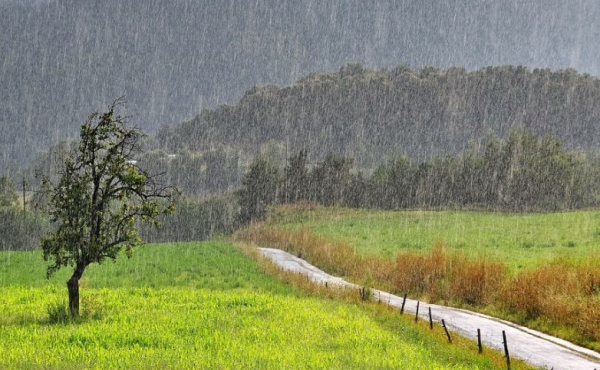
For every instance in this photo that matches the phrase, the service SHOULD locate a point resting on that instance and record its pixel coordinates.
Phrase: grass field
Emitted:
(538, 270)
(519, 240)
(203, 305)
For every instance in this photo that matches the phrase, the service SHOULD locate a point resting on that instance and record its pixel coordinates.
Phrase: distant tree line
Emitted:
(215, 171)
(20, 228)
(367, 115)
(521, 173)
(371, 116)
(195, 219)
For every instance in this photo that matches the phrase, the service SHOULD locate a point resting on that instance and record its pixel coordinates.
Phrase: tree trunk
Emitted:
(73, 286)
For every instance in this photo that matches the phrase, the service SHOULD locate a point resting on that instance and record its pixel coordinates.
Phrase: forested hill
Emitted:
(62, 59)
(369, 115)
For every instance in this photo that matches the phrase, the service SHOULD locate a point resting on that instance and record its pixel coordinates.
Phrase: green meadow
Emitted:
(204, 306)
(518, 239)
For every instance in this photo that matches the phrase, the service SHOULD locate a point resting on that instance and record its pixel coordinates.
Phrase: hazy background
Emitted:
(61, 59)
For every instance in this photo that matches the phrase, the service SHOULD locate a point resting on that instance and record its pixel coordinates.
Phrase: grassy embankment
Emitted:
(204, 305)
(519, 240)
(541, 270)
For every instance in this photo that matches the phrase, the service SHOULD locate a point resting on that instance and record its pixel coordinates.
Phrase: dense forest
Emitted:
(522, 173)
(369, 116)
(62, 59)
(372, 115)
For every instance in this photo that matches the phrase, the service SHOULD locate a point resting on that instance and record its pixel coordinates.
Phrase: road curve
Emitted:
(536, 348)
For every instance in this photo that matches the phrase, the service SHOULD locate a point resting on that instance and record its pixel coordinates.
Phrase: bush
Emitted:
(422, 273)
(58, 313)
(91, 308)
(561, 290)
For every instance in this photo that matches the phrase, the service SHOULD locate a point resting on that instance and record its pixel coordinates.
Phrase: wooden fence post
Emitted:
(446, 330)
(479, 346)
(417, 312)
(506, 350)
(430, 320)
(403, 303)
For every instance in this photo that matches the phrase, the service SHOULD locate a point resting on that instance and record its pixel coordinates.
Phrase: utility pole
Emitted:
(24, 205)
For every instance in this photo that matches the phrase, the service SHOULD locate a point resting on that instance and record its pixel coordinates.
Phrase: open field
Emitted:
(538, 270)
(203, 305)
(519, 240)
(207, 265)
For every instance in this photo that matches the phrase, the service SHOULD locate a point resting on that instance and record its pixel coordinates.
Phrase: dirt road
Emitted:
(529, 345)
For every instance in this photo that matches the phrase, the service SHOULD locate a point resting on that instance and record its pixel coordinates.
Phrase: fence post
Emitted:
(479, 346)
(363, 293)
(403, 303)
(506, 350)
(417, 312)
(430, 320)
(446, 330)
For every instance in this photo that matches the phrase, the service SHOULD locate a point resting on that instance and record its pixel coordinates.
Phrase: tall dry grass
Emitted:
(297, 279)
(336, 257)
(443, 277)
(436, 275)
(564, 293)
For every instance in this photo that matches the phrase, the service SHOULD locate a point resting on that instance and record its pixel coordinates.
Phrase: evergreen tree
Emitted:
(259, 190)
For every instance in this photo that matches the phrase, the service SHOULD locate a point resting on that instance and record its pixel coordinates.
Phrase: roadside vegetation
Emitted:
(204, 305)
(519, 240)
(440, 257)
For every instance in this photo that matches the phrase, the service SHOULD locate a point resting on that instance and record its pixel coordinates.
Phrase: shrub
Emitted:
(91, 308)
(422, 273)
(58, 313)
(588, 321)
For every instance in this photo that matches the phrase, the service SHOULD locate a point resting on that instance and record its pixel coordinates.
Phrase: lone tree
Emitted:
(99, 196)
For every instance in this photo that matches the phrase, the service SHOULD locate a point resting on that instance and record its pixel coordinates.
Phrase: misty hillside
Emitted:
(370, 115)
(61, 59)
